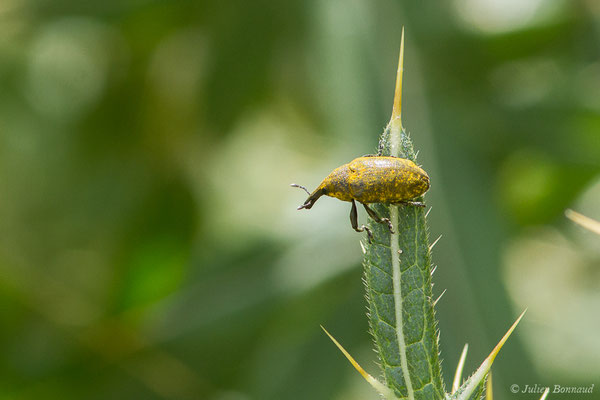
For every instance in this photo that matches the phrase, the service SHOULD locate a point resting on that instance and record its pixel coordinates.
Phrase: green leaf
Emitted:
(399, 290)
(398, 283)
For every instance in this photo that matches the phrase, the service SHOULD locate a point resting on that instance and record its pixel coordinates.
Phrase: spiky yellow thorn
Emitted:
(485, 366)
(378, 386)
(545, 394)
(586, 222)
(489, 393)
(459, 368)
(439, 297)
(435, 241)
(397, 109)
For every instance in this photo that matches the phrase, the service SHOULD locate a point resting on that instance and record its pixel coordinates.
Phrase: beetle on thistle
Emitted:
(372, 179)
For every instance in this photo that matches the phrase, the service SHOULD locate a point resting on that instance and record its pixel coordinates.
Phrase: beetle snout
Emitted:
(307, 204)
(312, 199)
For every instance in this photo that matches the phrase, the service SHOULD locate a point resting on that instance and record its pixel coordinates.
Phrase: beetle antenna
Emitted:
(301, 187)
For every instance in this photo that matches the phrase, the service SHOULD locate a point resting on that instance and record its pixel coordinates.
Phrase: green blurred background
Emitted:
(150, 244)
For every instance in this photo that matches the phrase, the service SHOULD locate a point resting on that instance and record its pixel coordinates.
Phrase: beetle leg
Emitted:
(412, 203)
(380, 148)
(377, 218)
(354, 222)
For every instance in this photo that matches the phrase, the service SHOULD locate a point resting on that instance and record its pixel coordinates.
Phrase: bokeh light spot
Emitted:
(68, 65)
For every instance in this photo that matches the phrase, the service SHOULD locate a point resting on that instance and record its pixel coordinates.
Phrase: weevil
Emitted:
(372, 179)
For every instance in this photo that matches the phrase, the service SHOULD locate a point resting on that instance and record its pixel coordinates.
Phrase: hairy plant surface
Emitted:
(398, 270)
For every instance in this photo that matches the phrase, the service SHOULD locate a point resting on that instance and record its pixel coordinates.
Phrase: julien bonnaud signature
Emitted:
(552, 389)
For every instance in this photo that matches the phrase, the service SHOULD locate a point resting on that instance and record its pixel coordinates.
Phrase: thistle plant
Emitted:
(398, 279)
